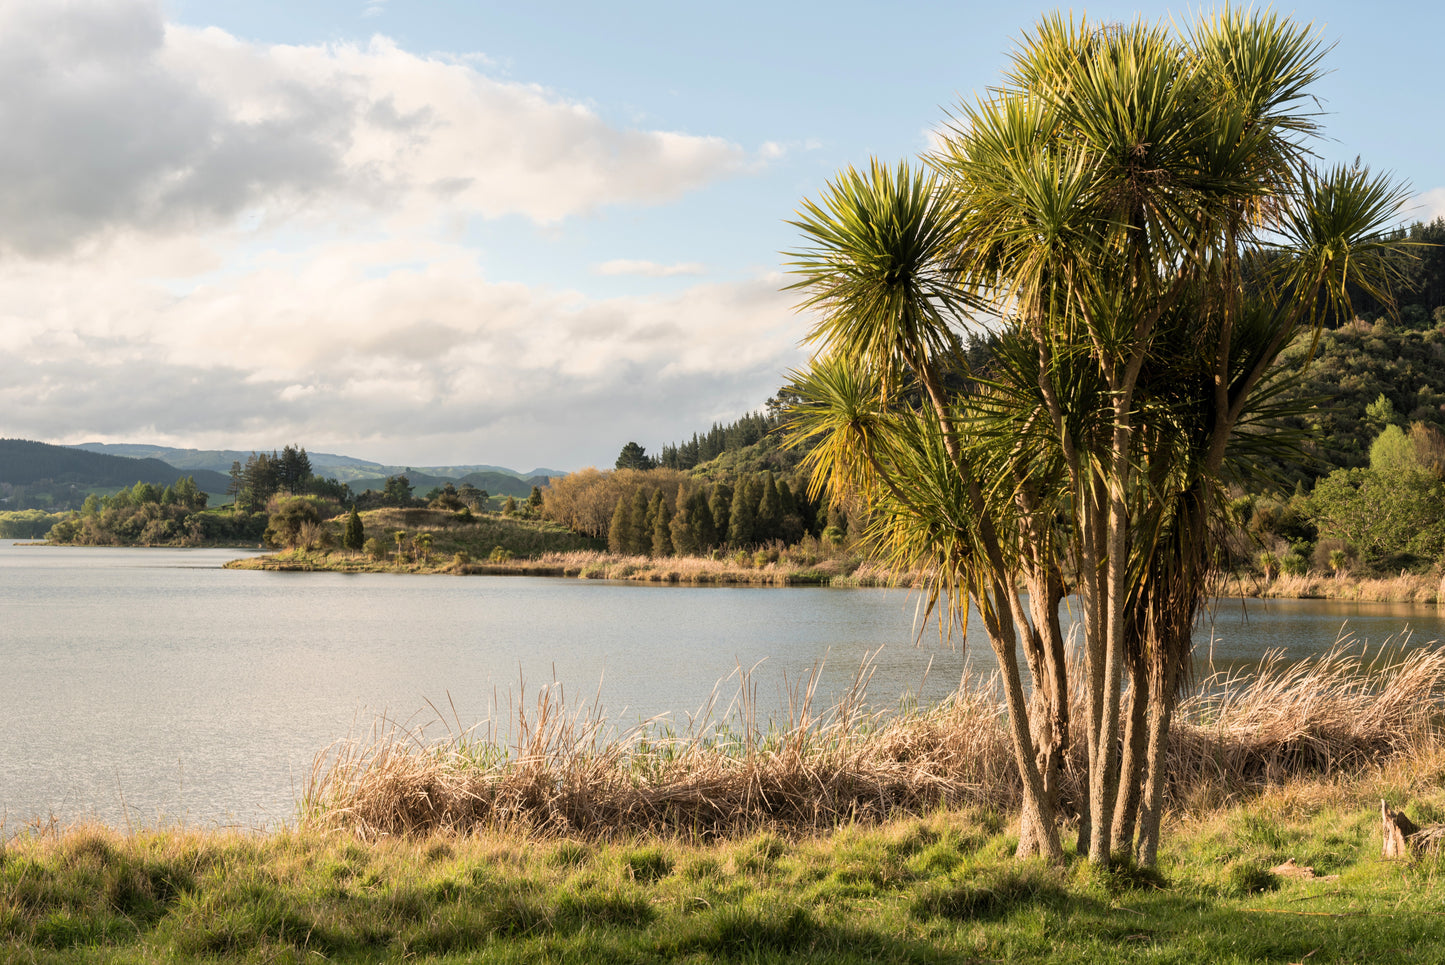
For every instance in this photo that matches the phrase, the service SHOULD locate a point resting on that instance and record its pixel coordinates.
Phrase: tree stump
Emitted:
(1403, 838)
(1399, 831)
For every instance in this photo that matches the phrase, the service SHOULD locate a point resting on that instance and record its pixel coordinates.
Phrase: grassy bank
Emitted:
(844, 836)
(455, 543)
(941, 887)
(765, 568)
(564, 771)
(494, 544)
(1405, 588)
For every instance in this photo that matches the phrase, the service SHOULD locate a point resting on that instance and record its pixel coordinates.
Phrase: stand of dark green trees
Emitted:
(289, 471)
(146, 515)
(663, 512)
(699, 518)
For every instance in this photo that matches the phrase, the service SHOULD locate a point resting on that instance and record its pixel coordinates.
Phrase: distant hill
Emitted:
(343, 468)
(359, 473)
(495, 483)
(25, 463)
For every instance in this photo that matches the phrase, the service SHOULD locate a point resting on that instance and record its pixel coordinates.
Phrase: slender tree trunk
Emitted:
(1131, 769)
(1093, 598)
(1162, 698)
(1049, 710)
(1042, 827)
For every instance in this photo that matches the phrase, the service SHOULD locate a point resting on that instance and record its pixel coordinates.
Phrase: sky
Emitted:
(459, 233)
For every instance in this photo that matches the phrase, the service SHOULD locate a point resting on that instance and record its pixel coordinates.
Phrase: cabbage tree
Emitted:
(1135, 213)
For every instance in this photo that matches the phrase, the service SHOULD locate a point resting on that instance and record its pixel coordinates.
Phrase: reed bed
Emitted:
(738, 569)
(1404, 588)
(567, 773)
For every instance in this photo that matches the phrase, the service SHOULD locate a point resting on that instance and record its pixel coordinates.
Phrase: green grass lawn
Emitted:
(939, 888)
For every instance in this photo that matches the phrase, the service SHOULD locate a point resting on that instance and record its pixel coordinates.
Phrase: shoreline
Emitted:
(834, 572)
(676, 571)
(1405, 588)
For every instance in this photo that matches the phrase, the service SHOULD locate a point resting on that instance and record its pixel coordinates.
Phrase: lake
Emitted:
(145, 686)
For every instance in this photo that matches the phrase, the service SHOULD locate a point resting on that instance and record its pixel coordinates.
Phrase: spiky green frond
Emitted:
(874, 272)
(1336, 232)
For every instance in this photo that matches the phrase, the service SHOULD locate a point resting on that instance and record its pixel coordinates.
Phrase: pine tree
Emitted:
(790, 527)
(619, 534)
(634, 456)
(639, 538)
(684, 540)
(770, 511)
(721, 506)
(704, 531)
(355, 536)
(233, 489)
(742, 521)
(661, 515)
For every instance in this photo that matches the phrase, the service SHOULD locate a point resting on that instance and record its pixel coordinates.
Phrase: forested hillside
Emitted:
(1354, 368)
(36, 475)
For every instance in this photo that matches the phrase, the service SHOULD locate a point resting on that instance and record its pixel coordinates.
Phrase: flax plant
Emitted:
(1135, 213)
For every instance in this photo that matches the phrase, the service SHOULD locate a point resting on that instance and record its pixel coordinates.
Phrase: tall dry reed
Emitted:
(568, 773)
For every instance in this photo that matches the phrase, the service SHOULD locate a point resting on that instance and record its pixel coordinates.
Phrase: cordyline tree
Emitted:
(1135, 215)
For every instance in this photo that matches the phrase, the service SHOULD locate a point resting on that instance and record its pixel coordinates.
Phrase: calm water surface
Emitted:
(145, 686)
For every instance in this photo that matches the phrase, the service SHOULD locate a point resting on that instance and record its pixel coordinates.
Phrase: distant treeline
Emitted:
(1419, 291)
(704, 447)
(666, 512)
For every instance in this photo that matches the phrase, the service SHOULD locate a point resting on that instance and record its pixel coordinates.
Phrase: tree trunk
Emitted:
(1162, 697)
(1131, 769)
(1093, 601)
(1037, 819)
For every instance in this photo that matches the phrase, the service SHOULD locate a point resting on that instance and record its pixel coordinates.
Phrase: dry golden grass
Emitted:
(567, 774)
(1332, 716)
(1405, 588)
(1321, 720)
(739, 569)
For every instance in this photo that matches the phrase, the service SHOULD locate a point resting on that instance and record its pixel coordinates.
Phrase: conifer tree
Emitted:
(661, 526)
(354, 538)
(639, 536)
(684, 537)
(234, 487)
(742, 521)
(790, 525)
(721, 507)
(619, 533)
(704, 531)
(770, 512)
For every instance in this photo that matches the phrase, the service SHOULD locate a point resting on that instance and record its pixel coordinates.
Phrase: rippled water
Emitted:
(151, 685)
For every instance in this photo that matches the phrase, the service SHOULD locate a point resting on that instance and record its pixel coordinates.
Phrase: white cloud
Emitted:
(337, 346)
(114, 119)
(210, 242)
(649, 269)
(1428, 206)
